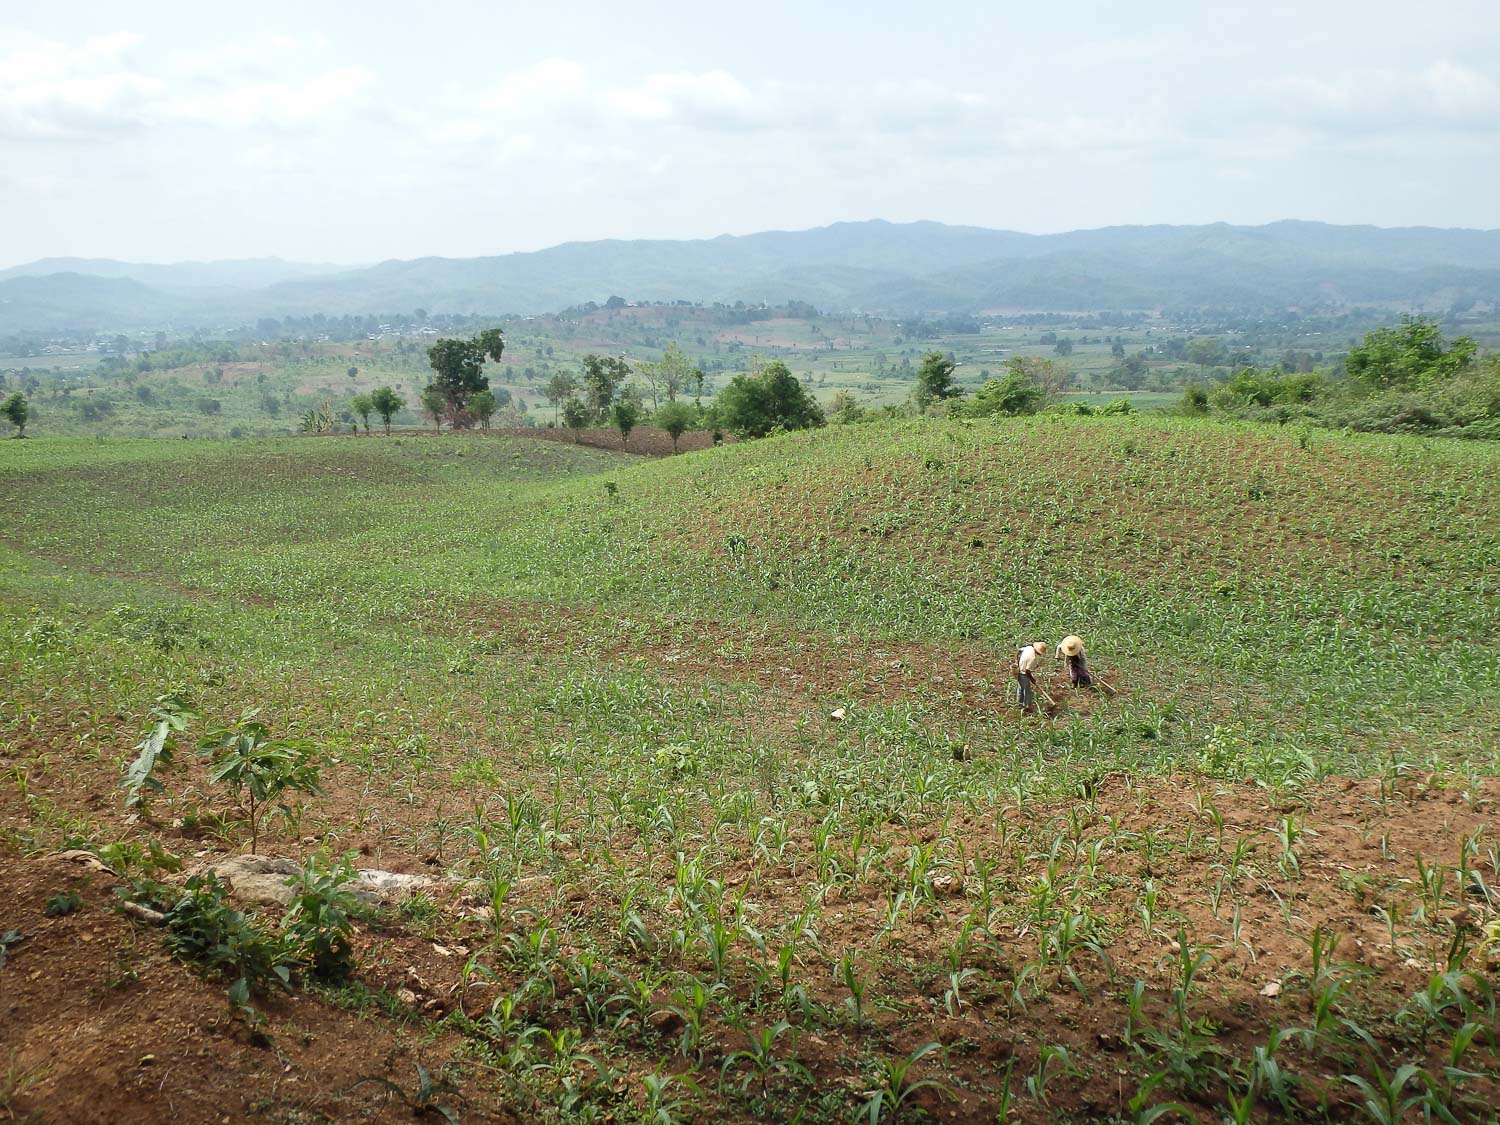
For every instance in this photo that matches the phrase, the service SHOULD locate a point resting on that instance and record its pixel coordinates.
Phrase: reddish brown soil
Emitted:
(646, 441)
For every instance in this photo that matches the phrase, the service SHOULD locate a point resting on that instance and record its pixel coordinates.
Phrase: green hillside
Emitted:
(598, 694)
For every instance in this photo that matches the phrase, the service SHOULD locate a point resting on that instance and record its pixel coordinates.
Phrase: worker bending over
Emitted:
(1071, 650)
(1026, 665)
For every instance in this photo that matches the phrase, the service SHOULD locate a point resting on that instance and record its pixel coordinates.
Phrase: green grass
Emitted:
(605, 683)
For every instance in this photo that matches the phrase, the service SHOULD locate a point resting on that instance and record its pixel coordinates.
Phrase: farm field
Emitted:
(262, 387)
(590, 700)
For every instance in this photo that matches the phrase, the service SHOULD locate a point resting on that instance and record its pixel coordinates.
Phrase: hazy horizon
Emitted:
(164, 133)
(353, 265)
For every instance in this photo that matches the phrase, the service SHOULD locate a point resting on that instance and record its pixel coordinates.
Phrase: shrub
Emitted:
(203, 928)
(755, 405)
(1008, 394)
(315, 931)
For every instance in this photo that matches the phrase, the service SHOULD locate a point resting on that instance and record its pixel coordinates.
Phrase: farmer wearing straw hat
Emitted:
(1071, 650)
(1026, 663)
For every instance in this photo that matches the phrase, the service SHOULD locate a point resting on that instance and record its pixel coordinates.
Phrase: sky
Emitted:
(337, 133)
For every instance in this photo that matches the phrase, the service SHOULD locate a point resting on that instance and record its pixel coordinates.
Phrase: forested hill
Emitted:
(875, 266)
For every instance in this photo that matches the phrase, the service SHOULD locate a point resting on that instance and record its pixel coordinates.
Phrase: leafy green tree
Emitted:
(17, 411)
(935, 380)
(435, 403)
(1206, 351)
(668, 375)
(625, 415)
(1054, 378)
(1194, 400)
(1412, 355)
(483, 406)
(387, 403)
(258, 769)
(1131, 372)
(363, 406)
(558, 390)
(602, 377)
(1064, 346)
(458, 367)
(575, 416)
(675, 418)
(754, 405)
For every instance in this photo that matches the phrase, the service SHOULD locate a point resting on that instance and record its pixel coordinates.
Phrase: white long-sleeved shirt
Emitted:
(1026, 662)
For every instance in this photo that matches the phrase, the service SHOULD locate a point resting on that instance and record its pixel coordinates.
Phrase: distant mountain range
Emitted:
(875, 266)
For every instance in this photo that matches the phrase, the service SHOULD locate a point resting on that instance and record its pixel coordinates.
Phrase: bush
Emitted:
(203, 928)
(315, 931)
(755, 405)
(1009, 394)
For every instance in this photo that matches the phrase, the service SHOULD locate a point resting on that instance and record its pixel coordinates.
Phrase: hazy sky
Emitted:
(323, 132)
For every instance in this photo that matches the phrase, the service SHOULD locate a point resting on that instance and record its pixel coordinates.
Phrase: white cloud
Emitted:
(277, 104)
(713, 99)
(545, 86)
(97, 90)
(1459, 91)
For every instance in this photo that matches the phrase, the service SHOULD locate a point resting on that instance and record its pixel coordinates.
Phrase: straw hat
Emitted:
(1070, 646)
(1040, 647)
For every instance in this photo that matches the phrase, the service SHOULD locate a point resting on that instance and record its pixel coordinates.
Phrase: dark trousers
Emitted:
(1078, 672)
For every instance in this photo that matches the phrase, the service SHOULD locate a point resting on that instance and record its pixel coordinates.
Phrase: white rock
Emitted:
(266, 881)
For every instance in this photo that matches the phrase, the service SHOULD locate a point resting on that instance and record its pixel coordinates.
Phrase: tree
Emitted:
(669, 374)
(1132, 372)
(1412, 355)
(675, 418)
(1064, 346)
(754, 405)
(559, 389)
(1206, 351)
(1054, 378)
(483, 406)
(435, 403)
(458, 367)
(575, 416)
(363, 405)
(387, 403)
(352, 372)
(625, 413)
(935, 380)
(602, 376)
(17, 411)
